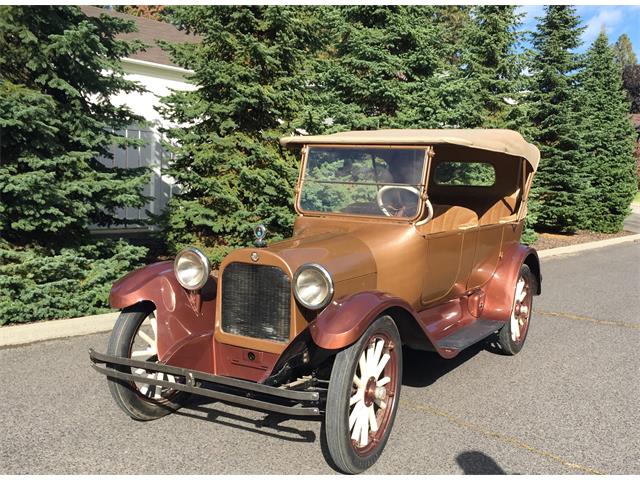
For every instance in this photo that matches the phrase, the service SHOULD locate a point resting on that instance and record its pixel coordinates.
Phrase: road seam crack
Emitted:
(571, 316)
(503, 438)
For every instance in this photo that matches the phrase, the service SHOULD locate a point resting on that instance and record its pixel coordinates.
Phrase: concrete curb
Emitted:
(581, 247)
(72, 327)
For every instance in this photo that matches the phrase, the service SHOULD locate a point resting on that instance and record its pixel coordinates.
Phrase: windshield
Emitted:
(363, 181)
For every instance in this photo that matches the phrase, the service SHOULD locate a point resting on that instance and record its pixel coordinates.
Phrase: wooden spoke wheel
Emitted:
(135, 336)
(513, 334)
(363, 397)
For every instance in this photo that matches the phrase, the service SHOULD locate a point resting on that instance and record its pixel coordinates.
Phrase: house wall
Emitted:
(158, 80)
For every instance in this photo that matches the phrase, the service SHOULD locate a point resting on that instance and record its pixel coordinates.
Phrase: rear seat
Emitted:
(504, 210)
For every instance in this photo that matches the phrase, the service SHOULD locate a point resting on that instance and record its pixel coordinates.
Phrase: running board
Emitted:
(467, 336)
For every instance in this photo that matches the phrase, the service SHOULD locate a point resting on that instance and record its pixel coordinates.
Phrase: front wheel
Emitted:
(363, 396)
(135, 336)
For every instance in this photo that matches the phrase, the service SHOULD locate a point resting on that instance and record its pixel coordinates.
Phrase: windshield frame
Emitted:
(422, 187)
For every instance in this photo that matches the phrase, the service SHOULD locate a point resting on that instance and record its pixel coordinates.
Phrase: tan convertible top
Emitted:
(494, 140)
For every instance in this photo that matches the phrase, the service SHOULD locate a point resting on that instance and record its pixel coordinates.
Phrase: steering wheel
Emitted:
(397, 211)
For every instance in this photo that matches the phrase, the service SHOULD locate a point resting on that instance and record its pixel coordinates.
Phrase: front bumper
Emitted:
(256, 396)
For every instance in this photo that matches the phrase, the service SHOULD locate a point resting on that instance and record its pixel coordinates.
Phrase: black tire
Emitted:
(350, 456)
(126, 394)
(505, 340)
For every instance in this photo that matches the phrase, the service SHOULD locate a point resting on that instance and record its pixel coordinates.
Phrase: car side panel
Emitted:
(185, 319)
(488, 248)
(444, 256)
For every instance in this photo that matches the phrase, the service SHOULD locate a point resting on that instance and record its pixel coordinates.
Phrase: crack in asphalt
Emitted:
(503, 438)
(571, 316)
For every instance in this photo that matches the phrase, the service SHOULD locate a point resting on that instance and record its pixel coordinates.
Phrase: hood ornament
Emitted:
(260, 233)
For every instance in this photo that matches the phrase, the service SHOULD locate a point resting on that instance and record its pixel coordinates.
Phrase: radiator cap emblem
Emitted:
(254, 256)
(260, 232)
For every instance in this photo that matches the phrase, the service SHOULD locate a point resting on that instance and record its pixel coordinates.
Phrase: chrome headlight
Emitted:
(312, 286)
(192, 268)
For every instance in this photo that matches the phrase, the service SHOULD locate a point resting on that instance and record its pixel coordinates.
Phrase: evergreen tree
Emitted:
(561, 184)
(376, 67)
(631, 83)
(56, 118)
(491, 65)
(58, 69)
(233, 174)
(609, 139)
(454, 21)
(624, 51)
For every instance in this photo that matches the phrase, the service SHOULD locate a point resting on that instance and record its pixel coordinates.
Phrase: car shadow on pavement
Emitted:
(421, 369)
(268, 425)
(477, 463)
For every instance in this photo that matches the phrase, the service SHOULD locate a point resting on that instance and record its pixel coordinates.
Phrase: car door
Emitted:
(487, 255)
(451, 243)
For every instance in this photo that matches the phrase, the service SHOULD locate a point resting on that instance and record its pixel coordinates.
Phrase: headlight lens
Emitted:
(192, 268)
(313, 286)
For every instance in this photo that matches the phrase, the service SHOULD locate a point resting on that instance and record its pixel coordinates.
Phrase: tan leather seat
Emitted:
(451, 217)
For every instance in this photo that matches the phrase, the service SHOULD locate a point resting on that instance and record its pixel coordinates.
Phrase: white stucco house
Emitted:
(155, 71)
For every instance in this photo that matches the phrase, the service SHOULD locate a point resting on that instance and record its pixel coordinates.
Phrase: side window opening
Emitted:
(467, 174)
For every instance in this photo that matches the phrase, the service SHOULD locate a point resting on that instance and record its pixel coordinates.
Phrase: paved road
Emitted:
(568, 403)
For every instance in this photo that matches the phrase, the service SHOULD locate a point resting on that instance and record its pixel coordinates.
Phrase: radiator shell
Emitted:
(256, 301)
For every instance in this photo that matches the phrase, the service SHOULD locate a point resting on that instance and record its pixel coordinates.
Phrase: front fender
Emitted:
(342, 323)
(151, 283)
(185, 319)
(500, 290)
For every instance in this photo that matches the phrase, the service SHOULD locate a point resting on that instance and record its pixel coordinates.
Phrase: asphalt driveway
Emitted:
(568, 403)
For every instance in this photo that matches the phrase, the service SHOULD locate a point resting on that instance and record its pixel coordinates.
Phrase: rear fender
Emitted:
(343, 322)
(500, 290)
(185, 318)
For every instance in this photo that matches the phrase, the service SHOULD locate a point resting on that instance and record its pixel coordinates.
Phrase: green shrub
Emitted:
(59, 70)
(40, 284)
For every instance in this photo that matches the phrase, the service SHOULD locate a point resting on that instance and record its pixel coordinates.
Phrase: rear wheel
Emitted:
(135, 336)
(512, 335)
(363, 397)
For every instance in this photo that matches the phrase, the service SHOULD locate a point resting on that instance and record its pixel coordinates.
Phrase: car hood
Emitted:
(342, 254)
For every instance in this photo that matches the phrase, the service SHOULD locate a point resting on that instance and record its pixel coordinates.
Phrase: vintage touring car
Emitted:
(403, 239)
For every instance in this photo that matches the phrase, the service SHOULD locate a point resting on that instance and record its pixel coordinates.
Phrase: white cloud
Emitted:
(607, 18)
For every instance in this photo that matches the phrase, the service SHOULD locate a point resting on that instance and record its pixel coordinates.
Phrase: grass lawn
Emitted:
(636, 199)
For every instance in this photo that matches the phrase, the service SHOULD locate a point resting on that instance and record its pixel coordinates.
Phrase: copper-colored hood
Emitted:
(343, 255)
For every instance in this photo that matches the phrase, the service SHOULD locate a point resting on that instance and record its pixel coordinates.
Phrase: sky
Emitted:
(616, 19)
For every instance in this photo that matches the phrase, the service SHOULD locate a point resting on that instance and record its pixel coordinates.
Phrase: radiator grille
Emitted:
(256, 301)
